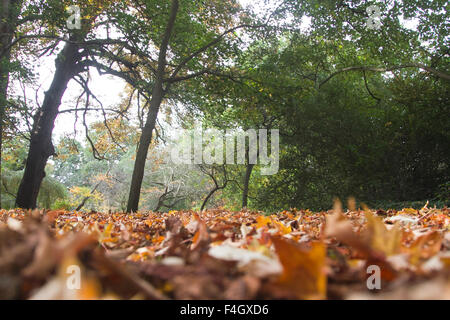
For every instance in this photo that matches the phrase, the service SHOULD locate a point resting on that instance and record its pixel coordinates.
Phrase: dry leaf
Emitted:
(303, 268)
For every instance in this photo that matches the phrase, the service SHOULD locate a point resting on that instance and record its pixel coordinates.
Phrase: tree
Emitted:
(180, 32)
(69, 63)
(157, 97)
(219, 176)
(9, 14)
(41, 146)
(14, 155)
(361, 111)
(322, 82)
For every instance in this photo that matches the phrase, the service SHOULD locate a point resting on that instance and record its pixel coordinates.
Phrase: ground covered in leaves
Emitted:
(218, 254)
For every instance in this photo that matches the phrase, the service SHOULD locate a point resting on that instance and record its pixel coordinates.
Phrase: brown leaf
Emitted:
(201, 237)
(244, 288)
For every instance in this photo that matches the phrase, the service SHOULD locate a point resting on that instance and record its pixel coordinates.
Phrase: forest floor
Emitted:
(219, 254)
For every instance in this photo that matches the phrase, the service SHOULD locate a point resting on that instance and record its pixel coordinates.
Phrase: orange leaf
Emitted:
(202, 235)
(303, 268)
(382, 239)
(262, 221)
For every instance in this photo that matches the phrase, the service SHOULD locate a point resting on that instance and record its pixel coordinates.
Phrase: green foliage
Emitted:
(385, 205)
(444, 193)
(61, 204)
(347, 127)
(78, 194)
(50, 191)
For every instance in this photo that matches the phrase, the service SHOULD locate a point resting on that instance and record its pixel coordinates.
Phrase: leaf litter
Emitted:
(221, 254)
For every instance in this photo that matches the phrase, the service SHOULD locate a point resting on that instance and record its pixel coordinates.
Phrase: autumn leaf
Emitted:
(425, 247)
(303, 268)
(382, 239)
(171, 250)
(339, 227)
(52, 215)
(202, 235)
(262, 221)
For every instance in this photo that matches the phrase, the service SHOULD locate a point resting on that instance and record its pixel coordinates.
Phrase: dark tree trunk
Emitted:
(248, 173)
(85, 199)
(210, 194)
(217, 187)
(41, 146)
(4, 79)
(8, 19)
(157, 97)
(141, 155)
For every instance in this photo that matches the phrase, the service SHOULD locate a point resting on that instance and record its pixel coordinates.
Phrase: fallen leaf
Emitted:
(304, 270)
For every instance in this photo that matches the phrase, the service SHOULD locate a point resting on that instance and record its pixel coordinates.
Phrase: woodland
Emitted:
(96, 94)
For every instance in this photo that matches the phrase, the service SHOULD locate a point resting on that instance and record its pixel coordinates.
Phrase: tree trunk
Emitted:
(141, 156)
(4, 79)
(8, 19)
(210, 194)
(85, 199)
(41, 146)
(217, 187)
(147, 131)
(248, 173)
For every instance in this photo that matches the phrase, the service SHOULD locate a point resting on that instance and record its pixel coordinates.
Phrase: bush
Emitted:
(61, 204)
(444, 192)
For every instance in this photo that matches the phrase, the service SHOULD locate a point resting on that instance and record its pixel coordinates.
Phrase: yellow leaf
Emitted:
(382, 239)
(262, 221)
(282, 227)
(409, 211)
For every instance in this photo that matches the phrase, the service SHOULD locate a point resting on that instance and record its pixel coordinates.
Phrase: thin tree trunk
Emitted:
(248, 173)
(217, 187)
(141, 155)
(4, 79)
(210, 194)
(147, 131)
(41, 146)
(85, 199)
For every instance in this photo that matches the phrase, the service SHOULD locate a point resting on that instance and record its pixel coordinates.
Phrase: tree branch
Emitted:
(209, 45)
(440, 74)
